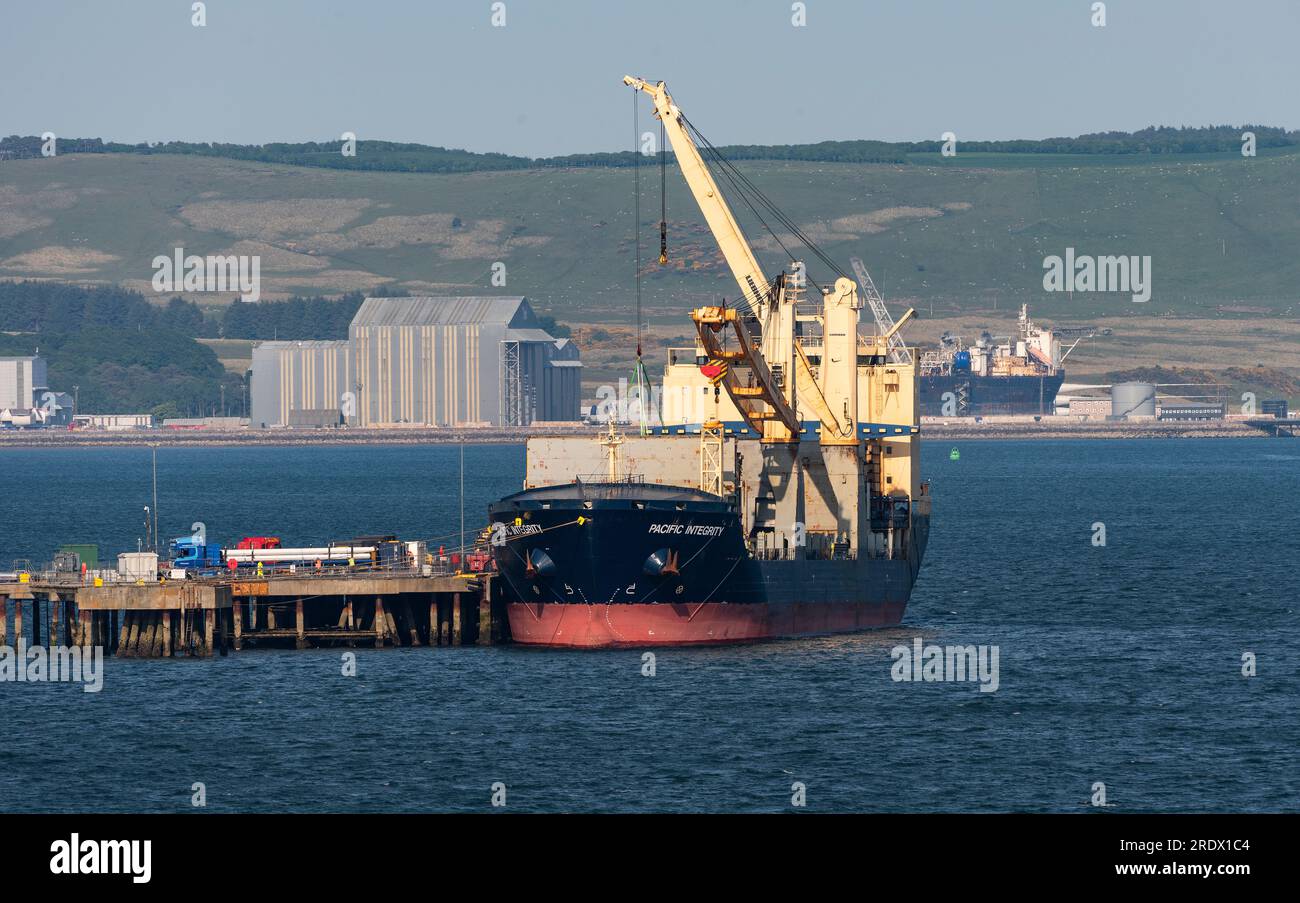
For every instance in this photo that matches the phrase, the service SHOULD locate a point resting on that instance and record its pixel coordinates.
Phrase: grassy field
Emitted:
(962, 240)
(963, 236)
(236, 355)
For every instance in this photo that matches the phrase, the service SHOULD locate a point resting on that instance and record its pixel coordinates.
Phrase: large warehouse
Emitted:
(437, 361)
(20, 378)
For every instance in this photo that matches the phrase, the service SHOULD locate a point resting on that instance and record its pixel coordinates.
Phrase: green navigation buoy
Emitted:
(954, 455)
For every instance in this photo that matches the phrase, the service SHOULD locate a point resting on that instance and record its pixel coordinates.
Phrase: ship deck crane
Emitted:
(766, 374)
(898, 351)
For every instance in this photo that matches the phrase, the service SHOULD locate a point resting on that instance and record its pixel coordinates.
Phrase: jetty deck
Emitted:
(202, 617)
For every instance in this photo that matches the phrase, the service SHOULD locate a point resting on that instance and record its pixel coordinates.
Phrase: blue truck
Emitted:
(188, 554)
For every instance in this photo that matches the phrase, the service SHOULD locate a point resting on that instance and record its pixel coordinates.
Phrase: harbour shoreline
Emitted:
(984, 431)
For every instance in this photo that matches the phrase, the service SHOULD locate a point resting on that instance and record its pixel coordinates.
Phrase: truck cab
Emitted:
(188, 554)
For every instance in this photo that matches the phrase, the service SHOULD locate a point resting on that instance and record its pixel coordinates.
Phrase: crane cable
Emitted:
(640, 379)
(636, 209)
(663, 195)
(747, 190)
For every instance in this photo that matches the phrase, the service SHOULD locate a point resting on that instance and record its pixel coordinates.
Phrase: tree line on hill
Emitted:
(121, 353)
(389, 156)
(128, 355)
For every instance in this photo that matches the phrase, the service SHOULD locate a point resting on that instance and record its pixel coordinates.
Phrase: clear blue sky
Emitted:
(437, 72)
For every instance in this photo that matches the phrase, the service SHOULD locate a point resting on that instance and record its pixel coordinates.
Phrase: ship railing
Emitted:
(434, 565)
(804, 554)
(602, 479)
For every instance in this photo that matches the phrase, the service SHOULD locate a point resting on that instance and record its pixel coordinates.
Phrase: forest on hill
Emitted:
(389, 156)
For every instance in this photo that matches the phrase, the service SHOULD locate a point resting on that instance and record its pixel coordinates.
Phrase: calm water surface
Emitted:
(1119, 664)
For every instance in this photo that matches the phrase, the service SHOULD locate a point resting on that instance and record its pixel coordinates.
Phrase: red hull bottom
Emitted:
(603, 626)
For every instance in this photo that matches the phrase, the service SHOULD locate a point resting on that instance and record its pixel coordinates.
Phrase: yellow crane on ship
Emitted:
(770, 378)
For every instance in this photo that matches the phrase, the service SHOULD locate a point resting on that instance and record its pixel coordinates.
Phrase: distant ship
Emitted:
(1015, 376)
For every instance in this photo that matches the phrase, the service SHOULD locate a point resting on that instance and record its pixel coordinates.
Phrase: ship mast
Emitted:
(612, 442)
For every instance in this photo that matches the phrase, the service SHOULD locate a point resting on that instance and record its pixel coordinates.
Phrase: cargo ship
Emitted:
(1015, 375)
(778, 494)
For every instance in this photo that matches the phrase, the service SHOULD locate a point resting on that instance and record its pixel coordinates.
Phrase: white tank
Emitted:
(1133, 400)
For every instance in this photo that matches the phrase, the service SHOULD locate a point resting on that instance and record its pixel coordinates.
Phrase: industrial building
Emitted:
(1193, 412)
(25, 396)
(1275, 407)
(301, 383)
(114, 422)
(436, 361)
(20, 380)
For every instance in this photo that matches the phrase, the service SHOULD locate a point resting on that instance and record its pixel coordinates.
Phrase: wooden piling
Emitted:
(455, 619)
(434, 638)
(36, 620)
(237, 615)
(391, 627)
(300, 623)
(18, 621)
(270, 617)
(485, 619)
(167, 634)
(381, 623)
(148, 634)
(209, 616)
(4, 621)
(127, 638)
(83, 628)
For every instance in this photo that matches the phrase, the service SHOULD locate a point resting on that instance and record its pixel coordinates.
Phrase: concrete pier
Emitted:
(207, 617)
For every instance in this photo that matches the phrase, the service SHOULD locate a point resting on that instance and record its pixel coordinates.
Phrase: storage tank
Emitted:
(1133, 400)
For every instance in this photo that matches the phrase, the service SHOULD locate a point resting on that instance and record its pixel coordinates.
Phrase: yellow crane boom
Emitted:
(778, 371)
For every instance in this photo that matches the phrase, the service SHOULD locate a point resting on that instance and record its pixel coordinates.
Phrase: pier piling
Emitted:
(455, 619)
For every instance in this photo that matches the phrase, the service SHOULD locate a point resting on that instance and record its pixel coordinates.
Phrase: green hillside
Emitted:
(957, 236)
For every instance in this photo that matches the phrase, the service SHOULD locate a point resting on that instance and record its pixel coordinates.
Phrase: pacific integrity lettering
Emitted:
(686, 529)
(56, 664)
